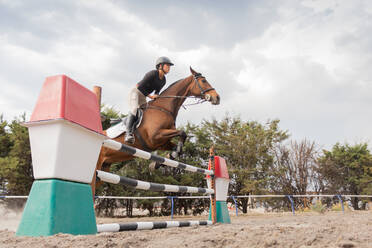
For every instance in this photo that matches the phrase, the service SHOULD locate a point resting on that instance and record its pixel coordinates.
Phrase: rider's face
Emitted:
(166, 68)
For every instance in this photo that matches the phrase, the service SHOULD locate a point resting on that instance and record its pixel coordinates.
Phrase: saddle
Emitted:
(118, 126)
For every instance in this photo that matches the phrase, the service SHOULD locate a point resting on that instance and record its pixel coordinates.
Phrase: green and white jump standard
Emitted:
(66, 137)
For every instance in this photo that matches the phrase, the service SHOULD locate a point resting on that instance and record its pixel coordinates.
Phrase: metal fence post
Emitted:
(172, 201)
(292, 203)
(342, 203)
(236, 205)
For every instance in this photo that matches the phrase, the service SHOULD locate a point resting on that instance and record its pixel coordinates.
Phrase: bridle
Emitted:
(203, 97)
(198, 76)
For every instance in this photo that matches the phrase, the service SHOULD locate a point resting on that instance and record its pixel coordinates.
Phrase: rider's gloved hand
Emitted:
(153, 96)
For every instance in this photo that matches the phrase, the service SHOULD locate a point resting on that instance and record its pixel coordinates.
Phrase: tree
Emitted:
(347, 170)
(5, 142)
(295, 170)
(5, 147)
(248, 148)
(16, 173)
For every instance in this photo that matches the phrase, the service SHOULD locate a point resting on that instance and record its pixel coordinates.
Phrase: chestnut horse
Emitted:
(158, 122)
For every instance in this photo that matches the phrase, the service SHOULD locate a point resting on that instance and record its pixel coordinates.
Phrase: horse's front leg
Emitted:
(181, 142)
(165, 135)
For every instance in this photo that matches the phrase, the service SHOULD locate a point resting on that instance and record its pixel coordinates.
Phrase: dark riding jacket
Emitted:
(151, 82)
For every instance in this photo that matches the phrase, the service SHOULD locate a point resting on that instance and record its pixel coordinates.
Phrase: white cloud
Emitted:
(306, 63)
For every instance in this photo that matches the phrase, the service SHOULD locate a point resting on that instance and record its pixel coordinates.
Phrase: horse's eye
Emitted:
(204, 81)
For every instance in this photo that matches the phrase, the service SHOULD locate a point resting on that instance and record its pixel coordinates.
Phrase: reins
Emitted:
(201, 97)
(177, 97)
(202, 92)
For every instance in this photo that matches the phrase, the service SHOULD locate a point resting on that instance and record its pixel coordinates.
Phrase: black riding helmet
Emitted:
(163, 60)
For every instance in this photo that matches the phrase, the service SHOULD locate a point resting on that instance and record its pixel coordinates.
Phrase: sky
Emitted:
(307, 63)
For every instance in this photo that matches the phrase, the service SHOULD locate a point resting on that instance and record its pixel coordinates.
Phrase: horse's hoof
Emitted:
(129, 139)
(174, 154)
(155, 165)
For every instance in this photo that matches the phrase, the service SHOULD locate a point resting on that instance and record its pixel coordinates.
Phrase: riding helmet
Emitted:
(163, 60)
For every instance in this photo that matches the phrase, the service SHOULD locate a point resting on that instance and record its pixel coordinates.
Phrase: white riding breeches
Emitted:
(136, 99)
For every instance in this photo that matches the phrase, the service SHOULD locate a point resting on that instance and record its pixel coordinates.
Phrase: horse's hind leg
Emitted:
(105, 167)
(94, 184)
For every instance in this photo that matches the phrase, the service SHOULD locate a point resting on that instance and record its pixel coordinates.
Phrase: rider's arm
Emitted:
(155, 95)
(157, 89)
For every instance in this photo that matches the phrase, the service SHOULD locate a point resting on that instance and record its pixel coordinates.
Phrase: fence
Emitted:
(234, 198)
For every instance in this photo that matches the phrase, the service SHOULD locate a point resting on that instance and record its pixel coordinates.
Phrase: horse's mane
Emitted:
(173, 84)
(170, 86)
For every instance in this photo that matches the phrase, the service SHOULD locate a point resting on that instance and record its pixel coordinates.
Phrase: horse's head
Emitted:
(201, 88)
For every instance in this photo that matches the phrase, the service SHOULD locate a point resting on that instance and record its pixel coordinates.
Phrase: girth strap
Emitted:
(142, 141)
(161, 109)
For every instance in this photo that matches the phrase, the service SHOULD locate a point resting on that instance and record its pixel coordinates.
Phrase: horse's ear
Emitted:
(192, 71)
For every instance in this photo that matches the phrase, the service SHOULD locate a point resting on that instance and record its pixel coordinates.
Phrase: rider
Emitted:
(152, 81)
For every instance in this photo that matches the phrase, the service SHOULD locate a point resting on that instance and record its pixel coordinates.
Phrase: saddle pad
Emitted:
(117, 129)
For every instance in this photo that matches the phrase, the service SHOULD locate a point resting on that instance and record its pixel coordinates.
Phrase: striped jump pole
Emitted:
(132, 226)
(138, 184)
(117, 146)
(13, 197)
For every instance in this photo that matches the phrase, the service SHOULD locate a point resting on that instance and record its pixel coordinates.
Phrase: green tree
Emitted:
(15, 162)
(5, 147)
(5, 141)
(248, 148)
(107, 114)
(347, 169)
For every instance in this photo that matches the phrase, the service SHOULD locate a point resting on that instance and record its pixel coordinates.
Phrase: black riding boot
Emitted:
(129, 137)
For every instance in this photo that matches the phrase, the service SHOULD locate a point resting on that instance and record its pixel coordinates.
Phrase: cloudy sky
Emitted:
(307, 62)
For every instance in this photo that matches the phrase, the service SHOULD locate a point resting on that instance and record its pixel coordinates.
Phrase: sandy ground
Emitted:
(333, 229)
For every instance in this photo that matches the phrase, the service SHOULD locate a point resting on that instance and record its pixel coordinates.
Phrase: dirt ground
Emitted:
(332, 229)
